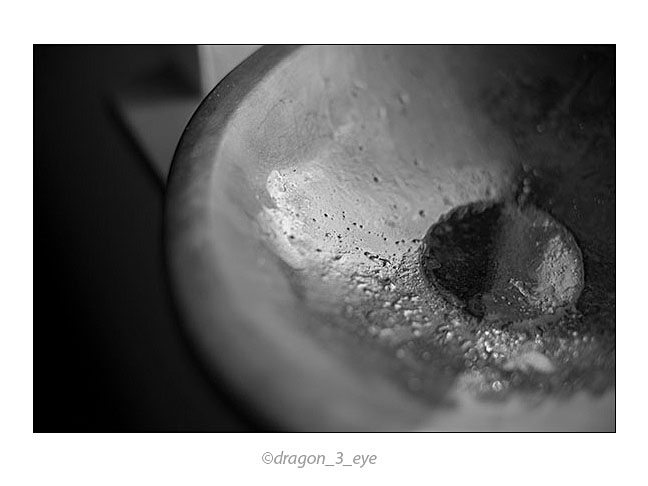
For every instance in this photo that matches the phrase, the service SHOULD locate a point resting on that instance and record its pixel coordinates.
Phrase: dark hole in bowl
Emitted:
(504, 262)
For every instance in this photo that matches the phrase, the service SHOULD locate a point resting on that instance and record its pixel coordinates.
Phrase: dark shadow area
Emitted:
(108, 352)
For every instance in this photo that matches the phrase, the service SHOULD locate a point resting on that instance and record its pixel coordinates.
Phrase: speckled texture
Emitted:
(308, 212)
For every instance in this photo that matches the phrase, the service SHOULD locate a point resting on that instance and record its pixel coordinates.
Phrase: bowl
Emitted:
(404, 237)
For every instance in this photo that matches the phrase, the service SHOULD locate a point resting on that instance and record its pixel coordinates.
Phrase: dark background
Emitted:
(109, 354)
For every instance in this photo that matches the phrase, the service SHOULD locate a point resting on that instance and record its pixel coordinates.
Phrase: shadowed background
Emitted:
(108, 354)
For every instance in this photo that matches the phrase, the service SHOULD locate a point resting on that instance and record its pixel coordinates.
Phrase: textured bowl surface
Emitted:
(298, 215)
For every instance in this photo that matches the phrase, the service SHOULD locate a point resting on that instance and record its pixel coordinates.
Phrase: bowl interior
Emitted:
(299, 202)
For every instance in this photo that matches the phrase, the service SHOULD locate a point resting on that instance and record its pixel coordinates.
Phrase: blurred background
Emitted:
(109, 354)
